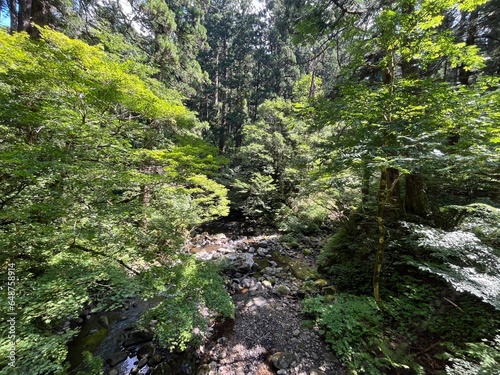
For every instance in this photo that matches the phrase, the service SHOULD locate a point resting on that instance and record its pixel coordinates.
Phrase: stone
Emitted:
(302, 271)
(317, 372)
(78, 320)
(113, 372)
(143, 362)
(282, 360)
(263, 244)
(262, 252)
(267, 284)
(103, 321)
(138, 337)
(147, 350)
(296, 332)
(281, 372)
(162, 369)
(241, 262)
(117, 358)
(154, 360)
(203, 370)
(248, 283)
(240, 371)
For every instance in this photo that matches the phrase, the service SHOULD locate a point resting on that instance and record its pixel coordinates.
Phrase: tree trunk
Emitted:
(415, 199)
(24, 19)
(381, 200)
(365, 186)
(13, 15)
(393, 199)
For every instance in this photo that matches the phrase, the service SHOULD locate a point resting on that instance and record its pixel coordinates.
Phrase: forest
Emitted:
(359, 137)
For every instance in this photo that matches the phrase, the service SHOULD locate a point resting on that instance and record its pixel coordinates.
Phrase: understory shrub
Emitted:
(353, 326)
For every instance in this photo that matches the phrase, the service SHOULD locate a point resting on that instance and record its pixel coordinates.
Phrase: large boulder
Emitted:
(282, 360)
(147, 350)
(138, 337)
(117, 358)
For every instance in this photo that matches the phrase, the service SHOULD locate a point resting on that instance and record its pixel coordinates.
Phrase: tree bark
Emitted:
(13, 15)
(393, 199)
(416, 202)
(381, 200)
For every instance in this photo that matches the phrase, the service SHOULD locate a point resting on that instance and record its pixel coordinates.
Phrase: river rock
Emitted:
(267, 284)
(147, 350)
(143, 362)
(154, 360)
(113, 372)
(242, 262)
(282, 360)
(117, 358)
(103, 321)
(317, 372)
(162, 369)
(138, 337)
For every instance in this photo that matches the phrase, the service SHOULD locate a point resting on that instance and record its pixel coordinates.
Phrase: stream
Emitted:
(263, 273)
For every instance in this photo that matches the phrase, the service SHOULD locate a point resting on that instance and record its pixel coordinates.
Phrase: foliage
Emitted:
(353, 328)
(461, 259)
(194, 295)
(101, 179)
(482, 358)
(347, 258)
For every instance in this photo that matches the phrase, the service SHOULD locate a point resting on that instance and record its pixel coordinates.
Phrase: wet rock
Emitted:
(282, 360)
(138, 337)
(113, 372)
(147, 350)
(103, 321)
(143, 362)
(263, 243)
(162, 369)
(154, 360)
(117, 358)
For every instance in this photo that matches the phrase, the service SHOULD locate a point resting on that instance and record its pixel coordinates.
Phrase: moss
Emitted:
(303, 271)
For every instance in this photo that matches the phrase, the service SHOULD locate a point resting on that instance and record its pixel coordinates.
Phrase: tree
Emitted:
(102, 175)
(404, 117)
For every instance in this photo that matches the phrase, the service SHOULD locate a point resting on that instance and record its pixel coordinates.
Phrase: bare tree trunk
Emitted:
(393, 199)
(415, 199)
(24, 19)
(381, 199)
(13, 15)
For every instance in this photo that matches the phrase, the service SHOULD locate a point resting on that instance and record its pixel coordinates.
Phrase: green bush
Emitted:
(348, 260)
(353, 327)
(195, 295)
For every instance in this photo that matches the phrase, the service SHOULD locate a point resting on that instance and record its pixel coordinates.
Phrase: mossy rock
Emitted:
(321, 283)
(91, 342)
(303, 271)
